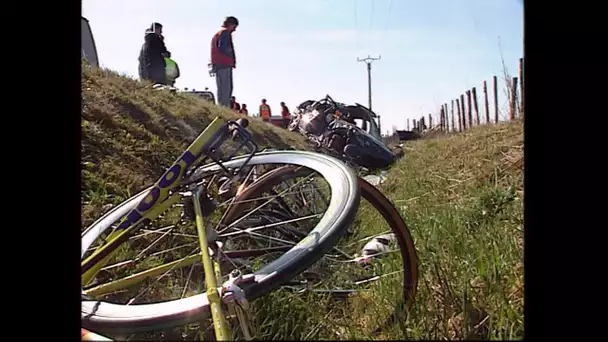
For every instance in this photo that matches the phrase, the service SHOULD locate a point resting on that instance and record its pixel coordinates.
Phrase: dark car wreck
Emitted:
(349, 132)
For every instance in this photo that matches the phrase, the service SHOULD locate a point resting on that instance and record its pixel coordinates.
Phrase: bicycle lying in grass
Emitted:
(248, 196)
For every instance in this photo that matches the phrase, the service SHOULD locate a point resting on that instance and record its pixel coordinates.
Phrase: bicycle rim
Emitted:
(387, 211)
(109, 317)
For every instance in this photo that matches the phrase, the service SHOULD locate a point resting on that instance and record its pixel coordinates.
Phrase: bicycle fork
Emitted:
(229, 293)
(219, 324)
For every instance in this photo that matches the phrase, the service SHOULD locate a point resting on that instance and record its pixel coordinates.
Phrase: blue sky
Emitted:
(295, 50)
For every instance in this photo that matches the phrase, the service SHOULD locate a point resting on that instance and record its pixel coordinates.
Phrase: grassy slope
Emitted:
(130, 134)
(461, 196)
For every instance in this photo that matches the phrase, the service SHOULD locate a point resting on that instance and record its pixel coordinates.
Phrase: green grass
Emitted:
(461, 196)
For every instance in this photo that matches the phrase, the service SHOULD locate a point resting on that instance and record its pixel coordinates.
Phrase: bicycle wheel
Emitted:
(103, 316)
(397, 293)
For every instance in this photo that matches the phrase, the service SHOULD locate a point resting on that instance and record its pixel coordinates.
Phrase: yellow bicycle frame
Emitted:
(212, 275)
(151, 206)
(154, 204)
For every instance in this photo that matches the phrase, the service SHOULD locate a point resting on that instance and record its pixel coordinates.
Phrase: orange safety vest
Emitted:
(265, 111)
(216, 56)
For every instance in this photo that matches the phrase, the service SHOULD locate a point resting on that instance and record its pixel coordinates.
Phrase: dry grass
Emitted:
(131, 133)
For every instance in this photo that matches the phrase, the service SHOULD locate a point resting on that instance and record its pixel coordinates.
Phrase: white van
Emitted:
(88, 51)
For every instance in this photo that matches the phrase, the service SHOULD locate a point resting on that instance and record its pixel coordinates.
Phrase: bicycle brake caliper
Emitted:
(230, 290)
(231, 293)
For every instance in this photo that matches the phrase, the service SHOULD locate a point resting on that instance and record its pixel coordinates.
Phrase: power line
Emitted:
(368, 60)
(371, 17)
(356, 27)
(388, 17)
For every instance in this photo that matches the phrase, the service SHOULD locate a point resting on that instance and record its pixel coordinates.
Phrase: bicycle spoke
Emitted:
(270, 225)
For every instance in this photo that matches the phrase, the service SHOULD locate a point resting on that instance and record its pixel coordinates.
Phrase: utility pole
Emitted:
(368, 60)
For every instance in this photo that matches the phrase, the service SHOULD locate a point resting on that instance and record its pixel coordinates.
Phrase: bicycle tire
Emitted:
(404, 239)
(107, 317)
(386, 209)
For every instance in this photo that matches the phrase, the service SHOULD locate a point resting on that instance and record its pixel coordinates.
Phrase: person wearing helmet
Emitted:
(223, 59)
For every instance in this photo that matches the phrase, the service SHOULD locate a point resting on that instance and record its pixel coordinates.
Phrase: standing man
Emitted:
(285, 115)
(235, 106)
(152, 56)
(223, 59)
(265, 111)
(244, 110)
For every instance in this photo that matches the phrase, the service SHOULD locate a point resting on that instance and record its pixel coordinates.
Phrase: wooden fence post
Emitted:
(421, 123)
(430, 121)
(446, 124)
(475, 106)
(441, 111)
(513, 109)
(407, 124)
(464, 115)
(521, 86)
(447, 118)
(485, 100)
(441, 118)
(469, 109)
(459, 115)
(495, 80)
(452, 110)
